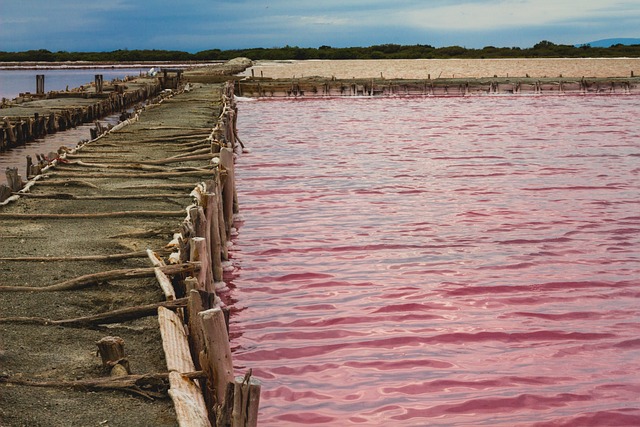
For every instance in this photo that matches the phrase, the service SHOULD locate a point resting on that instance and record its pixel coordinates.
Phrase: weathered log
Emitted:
(111, 257)
(191, 410)
(147, 175)
(123, 214)
(217, 354)
(174, 342)
(129, 196)
(146, 233)
(176, 185)
(147, 385)
(135, 166)
(115, 316)
(90, 279)
(165, 284)
(65, 182)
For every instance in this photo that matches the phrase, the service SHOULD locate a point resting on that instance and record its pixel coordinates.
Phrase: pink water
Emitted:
(440, 261)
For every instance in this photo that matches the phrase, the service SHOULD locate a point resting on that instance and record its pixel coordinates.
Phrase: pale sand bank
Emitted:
(448, 68)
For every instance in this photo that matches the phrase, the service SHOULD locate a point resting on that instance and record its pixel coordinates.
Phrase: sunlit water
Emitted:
(440, 261)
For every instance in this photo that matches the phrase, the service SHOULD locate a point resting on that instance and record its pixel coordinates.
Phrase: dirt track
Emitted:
(57, 353)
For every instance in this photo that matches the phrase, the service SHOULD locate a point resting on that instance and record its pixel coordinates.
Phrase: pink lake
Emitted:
(440, 261)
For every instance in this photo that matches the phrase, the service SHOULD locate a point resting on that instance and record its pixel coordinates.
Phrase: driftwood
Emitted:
(111, 257)
(149, 385)
(124, 214)
(115, 316)
(146, 233)
(90, 279)
(144, 166)
(176, 185)
(67, 196)
(64, 182)
(147, 175)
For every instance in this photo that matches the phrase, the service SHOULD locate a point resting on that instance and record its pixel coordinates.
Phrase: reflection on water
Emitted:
(439, 261)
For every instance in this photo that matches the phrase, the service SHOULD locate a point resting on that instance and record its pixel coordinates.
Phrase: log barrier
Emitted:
(317, 87)
(105, 100)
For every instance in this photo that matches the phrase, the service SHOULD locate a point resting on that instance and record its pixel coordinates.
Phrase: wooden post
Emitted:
(221, 220)
(228, 189)
(214, 233)
(40, 84)
(99, 83)
(217, 354)
(199, 252)
(13, 179)
(246, 400)
(111, 350)
(5, 192)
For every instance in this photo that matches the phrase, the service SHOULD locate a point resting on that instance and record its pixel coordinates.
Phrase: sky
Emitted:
(196, 25)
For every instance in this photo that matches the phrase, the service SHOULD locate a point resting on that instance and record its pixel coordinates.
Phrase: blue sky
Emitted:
(192, 25)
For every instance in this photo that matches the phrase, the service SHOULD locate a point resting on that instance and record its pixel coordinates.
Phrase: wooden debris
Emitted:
(115, 316)
(111, 257)
(91, 279)
(151, 386)
(123, 214)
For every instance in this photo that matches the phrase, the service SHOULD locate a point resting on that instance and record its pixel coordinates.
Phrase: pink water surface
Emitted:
(440, 261)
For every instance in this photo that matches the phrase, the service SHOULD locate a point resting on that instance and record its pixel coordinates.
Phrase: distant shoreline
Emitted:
(84, 65)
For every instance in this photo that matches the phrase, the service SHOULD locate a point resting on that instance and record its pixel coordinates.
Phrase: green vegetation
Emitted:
(544, 49)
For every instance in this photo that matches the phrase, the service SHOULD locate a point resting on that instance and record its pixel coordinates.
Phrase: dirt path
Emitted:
(109, 167)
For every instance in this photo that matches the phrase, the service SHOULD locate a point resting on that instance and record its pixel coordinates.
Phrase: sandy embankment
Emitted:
(449, 68)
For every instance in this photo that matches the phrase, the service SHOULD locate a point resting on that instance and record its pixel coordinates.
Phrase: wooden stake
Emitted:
(111, 350)
(217, 355)
(246, 400)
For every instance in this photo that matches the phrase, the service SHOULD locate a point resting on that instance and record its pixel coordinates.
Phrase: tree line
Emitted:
(543, 49)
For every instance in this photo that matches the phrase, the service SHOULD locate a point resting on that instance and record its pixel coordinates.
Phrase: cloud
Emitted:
(194, 25)
(492, 15)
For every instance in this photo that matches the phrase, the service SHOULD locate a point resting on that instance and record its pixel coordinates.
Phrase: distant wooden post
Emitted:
(40, 84)
(99, 83)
